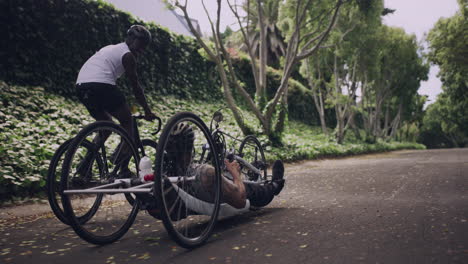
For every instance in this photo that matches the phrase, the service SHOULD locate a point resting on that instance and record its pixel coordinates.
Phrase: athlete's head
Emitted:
(137, 38)
(180, 145)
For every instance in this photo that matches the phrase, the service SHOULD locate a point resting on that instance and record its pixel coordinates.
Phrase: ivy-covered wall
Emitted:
(45, 42)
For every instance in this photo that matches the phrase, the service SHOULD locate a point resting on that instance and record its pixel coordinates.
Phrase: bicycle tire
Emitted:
(80, 228)
(259, 156)
(53, 187)
(205, 229)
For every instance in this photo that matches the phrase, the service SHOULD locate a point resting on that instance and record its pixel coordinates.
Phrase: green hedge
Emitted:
(45, 42)
(33, 123)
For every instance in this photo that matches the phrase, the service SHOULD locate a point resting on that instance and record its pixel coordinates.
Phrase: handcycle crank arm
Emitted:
(247, 164)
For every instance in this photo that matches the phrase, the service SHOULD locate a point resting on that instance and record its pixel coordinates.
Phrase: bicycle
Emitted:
(95, 164)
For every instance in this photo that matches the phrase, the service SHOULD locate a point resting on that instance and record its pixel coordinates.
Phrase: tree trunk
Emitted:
(339, 110)
(317, 96)
(261, 89)
(396, 122)
(282, 116)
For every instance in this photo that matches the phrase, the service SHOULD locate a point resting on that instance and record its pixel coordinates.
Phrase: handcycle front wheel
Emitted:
(53, 182)
(178, 188)
(115, 214)
(251, 150)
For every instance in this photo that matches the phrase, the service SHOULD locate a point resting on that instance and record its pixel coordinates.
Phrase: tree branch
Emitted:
(195, 32)
(305, 53)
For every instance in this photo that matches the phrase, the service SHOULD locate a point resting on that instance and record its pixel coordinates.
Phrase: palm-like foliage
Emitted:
(274, 38)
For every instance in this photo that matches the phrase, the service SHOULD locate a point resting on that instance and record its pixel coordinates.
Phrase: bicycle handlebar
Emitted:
(157, 118)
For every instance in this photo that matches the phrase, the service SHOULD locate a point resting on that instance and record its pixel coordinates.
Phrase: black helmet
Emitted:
(140, 32)
(182, 138)
(179, 149)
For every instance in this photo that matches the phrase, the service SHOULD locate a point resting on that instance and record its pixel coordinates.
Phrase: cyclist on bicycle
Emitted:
(96, 82)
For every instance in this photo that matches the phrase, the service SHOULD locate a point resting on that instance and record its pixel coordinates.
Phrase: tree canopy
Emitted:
(448, 49)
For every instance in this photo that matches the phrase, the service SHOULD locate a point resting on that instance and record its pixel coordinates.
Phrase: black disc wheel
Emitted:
(187, 186)
(53, 182)
(82, 183)
(252, 151)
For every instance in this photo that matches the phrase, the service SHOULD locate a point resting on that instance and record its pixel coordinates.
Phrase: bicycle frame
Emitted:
(136, 132)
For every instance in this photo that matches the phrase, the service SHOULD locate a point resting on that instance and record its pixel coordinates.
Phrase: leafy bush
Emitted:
(300, 101)
(33, 123)
(302, 141)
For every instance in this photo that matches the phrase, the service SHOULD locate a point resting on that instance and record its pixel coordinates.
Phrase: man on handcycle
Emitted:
(235, 191)
(96, 85)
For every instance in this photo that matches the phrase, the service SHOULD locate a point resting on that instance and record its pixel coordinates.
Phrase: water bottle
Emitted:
(146, 170)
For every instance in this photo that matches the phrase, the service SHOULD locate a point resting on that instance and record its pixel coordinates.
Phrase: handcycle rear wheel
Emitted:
(53, 183)
(251, 150)
(177, 170)
(115, 214)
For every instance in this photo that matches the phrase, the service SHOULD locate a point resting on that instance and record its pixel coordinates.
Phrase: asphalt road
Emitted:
(399, 207)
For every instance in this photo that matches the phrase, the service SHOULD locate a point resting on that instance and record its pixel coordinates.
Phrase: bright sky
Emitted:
(196, 11)
(418, 17)
(414, 16)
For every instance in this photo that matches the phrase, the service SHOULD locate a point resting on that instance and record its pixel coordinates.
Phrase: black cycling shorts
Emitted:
(99, 97)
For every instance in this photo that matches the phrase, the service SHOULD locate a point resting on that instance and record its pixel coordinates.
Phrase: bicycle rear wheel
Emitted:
(179, 166)
(252, 151)
(53, 182)
(114, 216)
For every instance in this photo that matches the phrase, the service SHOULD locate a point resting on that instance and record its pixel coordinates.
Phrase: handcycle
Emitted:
(188, 218)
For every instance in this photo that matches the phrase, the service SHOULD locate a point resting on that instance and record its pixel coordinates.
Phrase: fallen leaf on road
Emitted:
(144, 256)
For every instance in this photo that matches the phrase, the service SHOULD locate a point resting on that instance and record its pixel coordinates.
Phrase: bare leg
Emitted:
(233, 191)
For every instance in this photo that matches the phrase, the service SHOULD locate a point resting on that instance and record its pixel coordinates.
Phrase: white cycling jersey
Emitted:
(105, 66)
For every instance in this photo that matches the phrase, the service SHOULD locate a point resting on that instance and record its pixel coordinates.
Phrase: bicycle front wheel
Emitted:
(114, 216)
(252, 151)
(187, 186)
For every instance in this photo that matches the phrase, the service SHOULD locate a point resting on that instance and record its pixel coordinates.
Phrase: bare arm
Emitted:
(129, 63)
(234, 192)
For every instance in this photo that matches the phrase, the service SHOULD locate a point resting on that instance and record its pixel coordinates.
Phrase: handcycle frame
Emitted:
(231, 154)
(136, 186)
